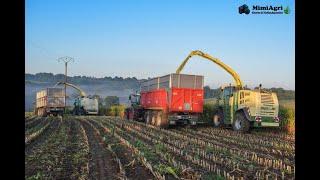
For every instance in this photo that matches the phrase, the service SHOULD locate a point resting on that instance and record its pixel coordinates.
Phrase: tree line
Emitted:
(281, 93)
(50, 77)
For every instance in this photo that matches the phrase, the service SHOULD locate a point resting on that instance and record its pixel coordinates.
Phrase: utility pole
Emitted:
(65, 59)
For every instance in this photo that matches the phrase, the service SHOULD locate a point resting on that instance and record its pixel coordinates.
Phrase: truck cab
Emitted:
(226, 102)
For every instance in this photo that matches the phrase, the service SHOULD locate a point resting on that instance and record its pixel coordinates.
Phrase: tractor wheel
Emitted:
(240, 123)
(218, 120)
(127, 113)
(145, 116)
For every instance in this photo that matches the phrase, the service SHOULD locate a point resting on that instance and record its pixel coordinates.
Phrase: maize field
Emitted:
(103, 147)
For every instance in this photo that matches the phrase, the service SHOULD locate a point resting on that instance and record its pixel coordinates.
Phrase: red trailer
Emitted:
(169, 100)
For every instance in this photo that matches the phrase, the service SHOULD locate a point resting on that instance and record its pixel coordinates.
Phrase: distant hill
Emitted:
(107, 86)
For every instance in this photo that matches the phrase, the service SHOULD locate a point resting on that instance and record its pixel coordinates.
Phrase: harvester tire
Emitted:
(218, 120)
(241, 123)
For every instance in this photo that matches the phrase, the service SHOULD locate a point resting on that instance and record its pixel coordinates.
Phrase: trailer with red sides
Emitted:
(168, 100)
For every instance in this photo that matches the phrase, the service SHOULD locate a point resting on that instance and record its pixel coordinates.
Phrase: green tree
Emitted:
(111, 100)
(211, 93)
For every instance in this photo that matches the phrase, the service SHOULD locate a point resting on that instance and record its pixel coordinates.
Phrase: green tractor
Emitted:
(241, 108)
(135, 111)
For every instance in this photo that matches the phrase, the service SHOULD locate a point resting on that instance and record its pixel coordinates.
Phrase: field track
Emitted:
(101, 164)
(133, 168)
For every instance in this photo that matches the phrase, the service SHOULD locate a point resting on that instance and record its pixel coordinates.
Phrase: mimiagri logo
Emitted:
(267, 9)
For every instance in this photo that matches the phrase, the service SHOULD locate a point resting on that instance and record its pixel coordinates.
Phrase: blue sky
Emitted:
(147, 38)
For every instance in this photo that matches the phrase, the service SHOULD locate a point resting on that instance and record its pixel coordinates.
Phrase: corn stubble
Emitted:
(61, 148)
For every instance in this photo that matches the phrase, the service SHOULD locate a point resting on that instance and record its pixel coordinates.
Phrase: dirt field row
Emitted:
(96, 147)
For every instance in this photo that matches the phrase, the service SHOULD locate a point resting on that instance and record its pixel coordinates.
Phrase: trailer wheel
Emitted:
(39, 112)
(160, 119)
(164, 119)
(147, 117)
(44, 113)
(153, 118)
(241, 123)
(218, 120)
